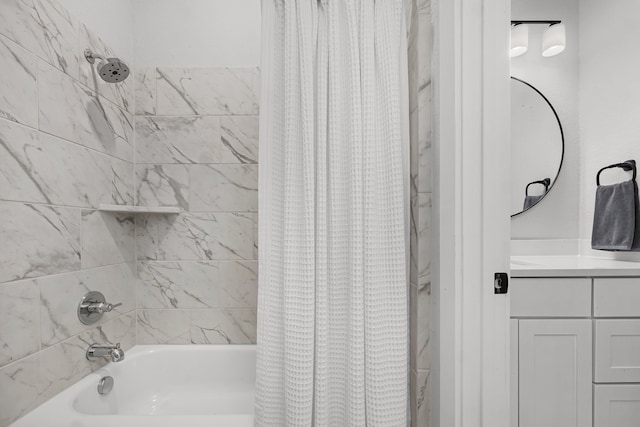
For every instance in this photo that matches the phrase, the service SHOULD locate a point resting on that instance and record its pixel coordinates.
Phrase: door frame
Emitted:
(471, 221)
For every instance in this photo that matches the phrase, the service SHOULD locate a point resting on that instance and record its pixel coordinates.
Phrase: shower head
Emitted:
(111, 70)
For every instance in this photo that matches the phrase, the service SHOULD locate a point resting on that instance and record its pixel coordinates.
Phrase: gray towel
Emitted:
(529, 201)
(616, 222)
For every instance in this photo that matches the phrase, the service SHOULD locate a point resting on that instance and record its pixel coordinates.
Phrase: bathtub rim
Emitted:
(65, 399)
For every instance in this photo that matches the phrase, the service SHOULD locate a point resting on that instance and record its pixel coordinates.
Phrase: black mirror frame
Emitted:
(555, 113)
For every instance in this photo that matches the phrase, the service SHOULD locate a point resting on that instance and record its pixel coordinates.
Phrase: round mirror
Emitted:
(537, 146)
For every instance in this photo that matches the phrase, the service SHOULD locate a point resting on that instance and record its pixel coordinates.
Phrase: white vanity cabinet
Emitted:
(553, 351)
(575, 350)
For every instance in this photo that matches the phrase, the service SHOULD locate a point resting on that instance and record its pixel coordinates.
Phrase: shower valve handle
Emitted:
(102, 307)
(92, 306)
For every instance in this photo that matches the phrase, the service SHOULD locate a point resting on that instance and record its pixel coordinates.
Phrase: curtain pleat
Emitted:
(332, 309)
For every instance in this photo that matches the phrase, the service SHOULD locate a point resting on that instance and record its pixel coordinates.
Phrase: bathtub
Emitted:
(160, 386)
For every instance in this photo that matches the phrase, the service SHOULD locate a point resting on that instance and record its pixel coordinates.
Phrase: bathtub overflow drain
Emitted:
(105, 385)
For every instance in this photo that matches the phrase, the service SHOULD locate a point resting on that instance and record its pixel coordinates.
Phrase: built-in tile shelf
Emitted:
(140, 209)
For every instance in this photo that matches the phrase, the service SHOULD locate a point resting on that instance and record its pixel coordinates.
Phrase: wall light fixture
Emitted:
(519, 39)
(554, 38)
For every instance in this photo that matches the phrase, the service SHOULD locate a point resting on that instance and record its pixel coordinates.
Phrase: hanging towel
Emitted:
(616, 217)
(529, 201)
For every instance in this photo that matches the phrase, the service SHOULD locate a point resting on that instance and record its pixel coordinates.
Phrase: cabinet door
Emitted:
(617, 406)
(555, 373)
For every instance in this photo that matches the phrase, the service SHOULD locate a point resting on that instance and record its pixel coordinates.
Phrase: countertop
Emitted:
(571, 266)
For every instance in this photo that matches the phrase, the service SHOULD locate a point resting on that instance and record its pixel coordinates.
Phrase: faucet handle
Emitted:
(117, 354)
(92, 306)
(102, 307)
(110, 307)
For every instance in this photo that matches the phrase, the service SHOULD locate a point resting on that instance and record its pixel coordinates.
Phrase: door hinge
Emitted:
(500, 283)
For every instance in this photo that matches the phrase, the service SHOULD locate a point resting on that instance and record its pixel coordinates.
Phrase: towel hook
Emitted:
(629, 165)
(546, 182)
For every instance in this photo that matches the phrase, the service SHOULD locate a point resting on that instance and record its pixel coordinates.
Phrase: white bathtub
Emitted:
(160, 386)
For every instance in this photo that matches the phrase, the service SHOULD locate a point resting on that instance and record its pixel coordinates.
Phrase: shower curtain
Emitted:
(332, 309)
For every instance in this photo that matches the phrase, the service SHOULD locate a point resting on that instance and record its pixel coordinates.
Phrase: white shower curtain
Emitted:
(332, 309)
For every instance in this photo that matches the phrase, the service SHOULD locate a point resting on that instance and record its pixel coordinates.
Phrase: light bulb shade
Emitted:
(519, 39)
(554, 40)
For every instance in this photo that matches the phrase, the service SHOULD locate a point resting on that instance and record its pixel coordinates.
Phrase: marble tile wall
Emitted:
(419, 51)
(196, 147)
(66, 146)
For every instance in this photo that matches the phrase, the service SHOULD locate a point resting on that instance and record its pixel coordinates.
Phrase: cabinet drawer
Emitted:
(616, 405)
(549, 297)
(616, 297)
(617, 351)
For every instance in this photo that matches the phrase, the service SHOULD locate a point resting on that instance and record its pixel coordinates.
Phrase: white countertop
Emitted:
(571, 266)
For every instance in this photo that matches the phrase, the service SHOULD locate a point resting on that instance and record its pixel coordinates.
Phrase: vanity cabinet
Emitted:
(552, 357)
(575, 352)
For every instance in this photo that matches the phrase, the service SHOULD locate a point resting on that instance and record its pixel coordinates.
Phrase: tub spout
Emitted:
(113, 351)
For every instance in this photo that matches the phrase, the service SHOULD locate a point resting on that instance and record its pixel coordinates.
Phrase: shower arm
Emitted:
(91, 57)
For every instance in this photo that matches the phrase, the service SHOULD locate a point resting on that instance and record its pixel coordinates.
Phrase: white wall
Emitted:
(556, 217)
(112, 21)
(196, 33)
(609, 93)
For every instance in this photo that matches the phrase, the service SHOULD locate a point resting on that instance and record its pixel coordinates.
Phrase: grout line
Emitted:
(20, 124)
(202, 164)
(246, 308)
(137, 276)
(126, 214)
(65, 140)
(38, 286)
(206, 261)
(134, 191)
(38, 93)
(83, 270)
(38, 130)
(155, 88)
(85, 147)
(550, 317)
(23, 202)
(195, 116)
